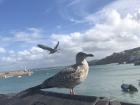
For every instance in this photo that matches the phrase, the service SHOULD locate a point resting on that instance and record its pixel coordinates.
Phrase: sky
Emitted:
(100, 27)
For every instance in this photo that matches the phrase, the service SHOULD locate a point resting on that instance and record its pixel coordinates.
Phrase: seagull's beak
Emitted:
(89, 55)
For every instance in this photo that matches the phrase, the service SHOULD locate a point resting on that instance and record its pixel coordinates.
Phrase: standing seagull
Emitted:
(69, 77)
(52, 50)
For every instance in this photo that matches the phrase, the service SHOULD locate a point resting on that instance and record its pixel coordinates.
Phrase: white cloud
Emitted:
(74, 2)
(30, 35)
(116, 33)
(124, 6)
(76, 21)
(111, 32)
(2, 50)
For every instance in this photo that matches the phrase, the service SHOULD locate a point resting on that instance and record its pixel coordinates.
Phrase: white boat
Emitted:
(19, 76)
(5, 76)
(29, 71)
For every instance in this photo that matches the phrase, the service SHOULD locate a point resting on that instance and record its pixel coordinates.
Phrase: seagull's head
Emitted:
(81, 56)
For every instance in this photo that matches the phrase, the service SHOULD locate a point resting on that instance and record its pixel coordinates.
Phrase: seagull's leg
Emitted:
(70, 91)
(73, 93)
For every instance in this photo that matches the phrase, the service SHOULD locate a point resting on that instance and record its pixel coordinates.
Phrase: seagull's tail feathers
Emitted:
(38, 87)
(29, 91)
(45, 85)
(32, 90)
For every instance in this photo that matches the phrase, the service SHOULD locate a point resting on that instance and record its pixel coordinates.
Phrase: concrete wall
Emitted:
(51, 98)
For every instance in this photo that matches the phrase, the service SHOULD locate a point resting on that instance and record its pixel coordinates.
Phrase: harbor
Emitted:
(70, 52)
(126, 73)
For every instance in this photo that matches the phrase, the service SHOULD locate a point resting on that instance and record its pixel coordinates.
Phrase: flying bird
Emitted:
(51, 50)
(69, 77)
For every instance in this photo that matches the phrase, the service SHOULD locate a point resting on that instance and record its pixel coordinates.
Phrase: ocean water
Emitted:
(103, 80)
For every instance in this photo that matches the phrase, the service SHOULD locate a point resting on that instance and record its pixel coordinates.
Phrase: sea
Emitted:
(102, 81)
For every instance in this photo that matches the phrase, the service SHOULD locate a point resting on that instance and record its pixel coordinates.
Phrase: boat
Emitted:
(19, 76)
(128, 88)
(5, 76)
(29, 72)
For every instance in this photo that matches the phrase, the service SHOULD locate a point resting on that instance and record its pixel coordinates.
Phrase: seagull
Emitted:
(52, 50)
(69, 77)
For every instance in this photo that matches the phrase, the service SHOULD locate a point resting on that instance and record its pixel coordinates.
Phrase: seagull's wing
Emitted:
(44, 47)
(56, 45)
(64, 77)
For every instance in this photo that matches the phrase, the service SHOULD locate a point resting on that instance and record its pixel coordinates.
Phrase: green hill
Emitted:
(127, 56)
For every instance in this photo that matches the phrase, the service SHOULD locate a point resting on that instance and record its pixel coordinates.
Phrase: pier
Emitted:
(17, 73)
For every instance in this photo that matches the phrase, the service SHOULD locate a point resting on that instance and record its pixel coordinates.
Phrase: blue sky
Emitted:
(94, 26)
(47, 14)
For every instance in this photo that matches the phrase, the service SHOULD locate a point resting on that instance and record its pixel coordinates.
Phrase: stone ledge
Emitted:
(52, 98)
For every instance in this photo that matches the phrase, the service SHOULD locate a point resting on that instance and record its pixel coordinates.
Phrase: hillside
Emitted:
(127, 56)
